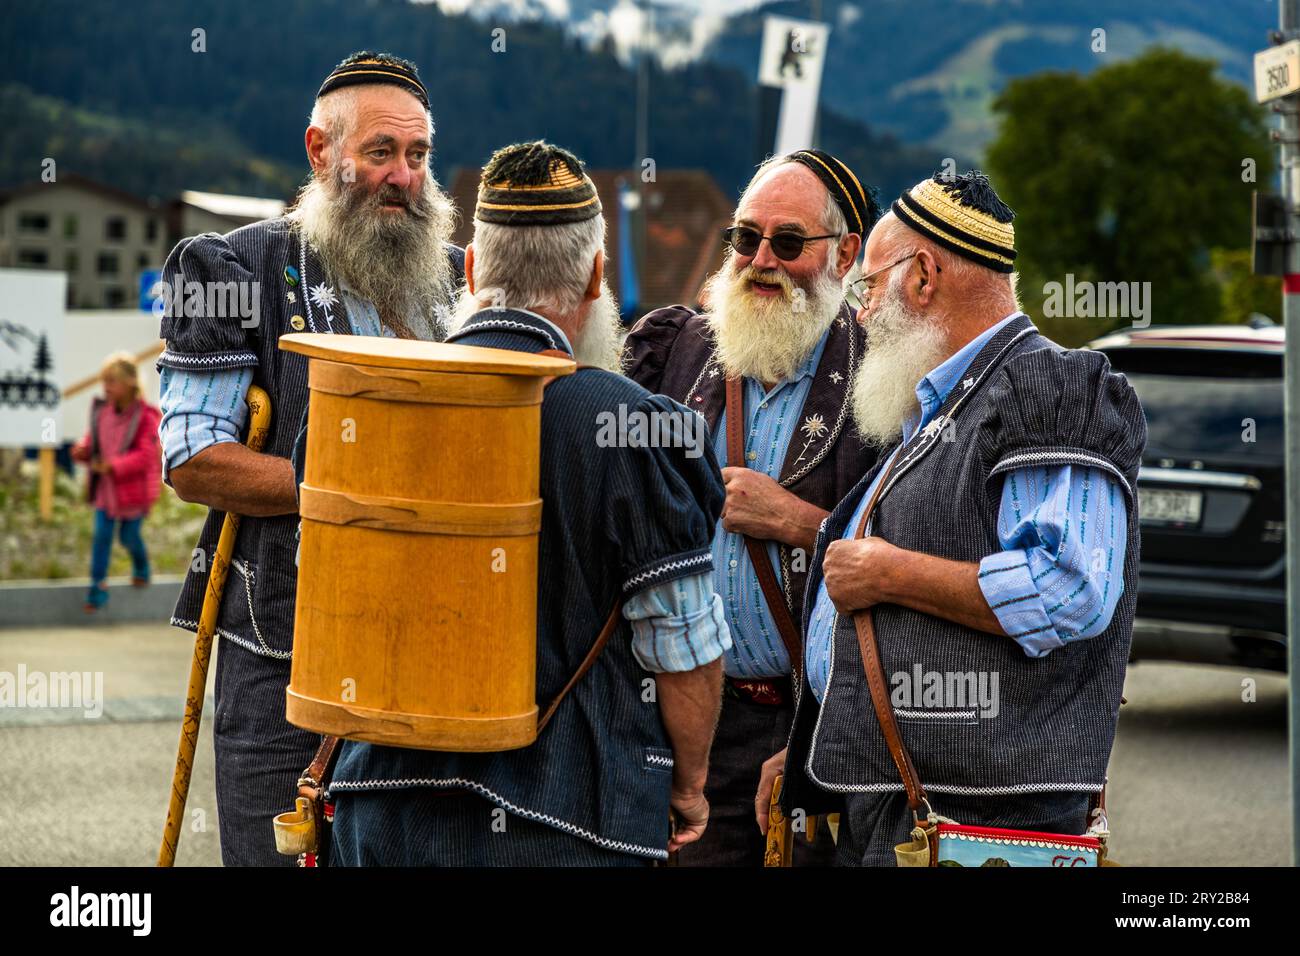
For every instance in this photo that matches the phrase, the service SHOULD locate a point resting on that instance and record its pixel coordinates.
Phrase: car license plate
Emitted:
(1162, 506)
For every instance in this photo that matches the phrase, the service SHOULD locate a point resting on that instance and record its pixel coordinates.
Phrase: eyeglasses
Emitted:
(786, 246)
(858, 293)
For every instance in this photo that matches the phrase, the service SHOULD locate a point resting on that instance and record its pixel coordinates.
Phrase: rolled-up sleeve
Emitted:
(678, 625)
(199, 410)
(1059, 577)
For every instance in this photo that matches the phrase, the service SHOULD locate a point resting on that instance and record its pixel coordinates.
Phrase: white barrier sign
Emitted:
(1277, 71)
(31, 345)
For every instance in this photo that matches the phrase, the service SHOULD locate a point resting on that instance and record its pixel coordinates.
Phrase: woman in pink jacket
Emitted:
(125, 478)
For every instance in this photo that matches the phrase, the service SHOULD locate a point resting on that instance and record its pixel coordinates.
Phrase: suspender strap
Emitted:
(772, 594)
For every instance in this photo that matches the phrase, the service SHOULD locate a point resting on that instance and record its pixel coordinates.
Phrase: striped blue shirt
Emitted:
(1063, 532)
(773, 420)
(676, 626)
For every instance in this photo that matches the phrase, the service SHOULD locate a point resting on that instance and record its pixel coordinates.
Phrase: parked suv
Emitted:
(1211, 496)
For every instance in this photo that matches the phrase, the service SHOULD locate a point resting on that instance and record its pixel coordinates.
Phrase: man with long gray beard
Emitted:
(769, 366)
(365, 252)
(1003, 547)
(629, 631)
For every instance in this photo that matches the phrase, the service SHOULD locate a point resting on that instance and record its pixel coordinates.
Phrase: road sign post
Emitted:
(1277, 80)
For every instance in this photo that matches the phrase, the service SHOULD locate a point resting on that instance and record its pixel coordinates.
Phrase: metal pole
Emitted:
(1288, 108)
(642, 213)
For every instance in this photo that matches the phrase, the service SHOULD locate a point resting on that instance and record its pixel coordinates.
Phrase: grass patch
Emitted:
(33, 549)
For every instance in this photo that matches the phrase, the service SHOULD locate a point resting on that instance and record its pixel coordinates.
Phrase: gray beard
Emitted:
(396, 261)
(767, 339)
(902, 348)
(600, 342)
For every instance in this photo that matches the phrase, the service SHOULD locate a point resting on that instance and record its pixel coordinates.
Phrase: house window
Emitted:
(107, 264)
(115, 228)
(142, 261)
(114, 297)
(33, 257)
(151, 230)
(33, 222)
(69, 227)
(71, 262)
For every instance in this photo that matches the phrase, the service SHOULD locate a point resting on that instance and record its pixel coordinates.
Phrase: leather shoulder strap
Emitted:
(772, 594)
(876, 676)
(611, 625)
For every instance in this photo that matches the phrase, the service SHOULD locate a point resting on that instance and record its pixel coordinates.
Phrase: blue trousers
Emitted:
(421, 827)
(101, 548)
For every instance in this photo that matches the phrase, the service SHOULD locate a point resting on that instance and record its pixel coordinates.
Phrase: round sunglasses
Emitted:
(786, 246)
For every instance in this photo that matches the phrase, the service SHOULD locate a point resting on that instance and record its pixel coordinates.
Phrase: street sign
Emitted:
(1277, 71)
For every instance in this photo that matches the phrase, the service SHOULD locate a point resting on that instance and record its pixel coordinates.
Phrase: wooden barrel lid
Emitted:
(384, 352)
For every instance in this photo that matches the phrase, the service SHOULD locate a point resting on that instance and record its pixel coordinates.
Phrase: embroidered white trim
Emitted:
(1012, 462)
(633, 582)
(1009, 841)
(936, 714)
(962, 790)
(572, 829)
(658, 760)
(509, 325)
(302, 280)
(231, 359)
(833, 437)
(235, 638)
(250, 646)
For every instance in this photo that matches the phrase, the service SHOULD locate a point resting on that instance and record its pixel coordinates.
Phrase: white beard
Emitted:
(767, 338)
(600, 342)
(902, 348)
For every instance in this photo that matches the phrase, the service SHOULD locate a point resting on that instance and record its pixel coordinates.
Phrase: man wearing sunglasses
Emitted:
(999, 564)
(768, 365)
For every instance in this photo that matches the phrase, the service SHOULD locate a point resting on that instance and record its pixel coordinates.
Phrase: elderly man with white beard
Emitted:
(769, 366)
(624, 590)
(1002, 543)
(365, 252)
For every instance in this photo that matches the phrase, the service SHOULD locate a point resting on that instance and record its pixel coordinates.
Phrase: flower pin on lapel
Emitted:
(814, 426)
(323, 297)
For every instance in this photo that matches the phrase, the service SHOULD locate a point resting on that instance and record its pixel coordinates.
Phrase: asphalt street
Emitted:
(1198, 778)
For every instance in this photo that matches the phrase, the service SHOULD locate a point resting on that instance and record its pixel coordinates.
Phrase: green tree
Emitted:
(1131, 174)
(1241, 291)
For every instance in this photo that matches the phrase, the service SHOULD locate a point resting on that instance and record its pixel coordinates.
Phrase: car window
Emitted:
(1206, 402)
